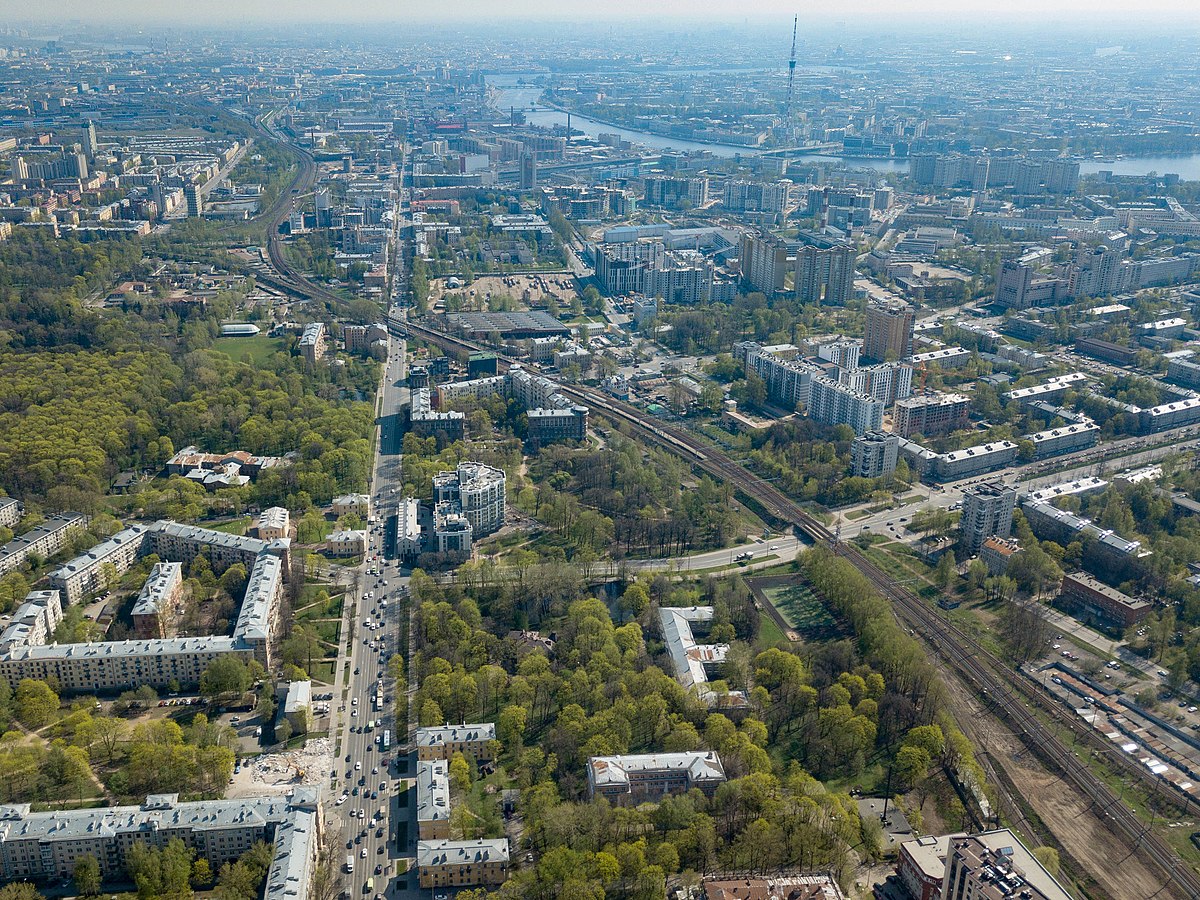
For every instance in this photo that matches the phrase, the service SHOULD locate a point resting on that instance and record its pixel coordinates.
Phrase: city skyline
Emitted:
(842, 14)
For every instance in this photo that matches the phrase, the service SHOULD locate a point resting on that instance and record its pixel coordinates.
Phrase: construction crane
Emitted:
(791, 89)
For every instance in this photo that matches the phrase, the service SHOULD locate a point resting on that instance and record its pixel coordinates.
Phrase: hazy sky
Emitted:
(218, 12)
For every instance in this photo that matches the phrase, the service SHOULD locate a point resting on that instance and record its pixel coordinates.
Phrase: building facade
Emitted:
(987, 511)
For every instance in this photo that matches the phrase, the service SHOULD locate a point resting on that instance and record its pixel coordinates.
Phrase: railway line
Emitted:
(1006, 695)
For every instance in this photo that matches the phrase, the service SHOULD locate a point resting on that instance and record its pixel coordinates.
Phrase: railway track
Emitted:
(1005, 693)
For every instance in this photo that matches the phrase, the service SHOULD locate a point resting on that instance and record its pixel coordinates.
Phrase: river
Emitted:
(509, 94)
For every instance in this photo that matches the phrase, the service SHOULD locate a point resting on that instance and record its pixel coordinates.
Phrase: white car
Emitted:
(358, 766)
(340, 800)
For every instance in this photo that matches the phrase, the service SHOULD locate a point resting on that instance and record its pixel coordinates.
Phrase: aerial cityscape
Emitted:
(600, 454)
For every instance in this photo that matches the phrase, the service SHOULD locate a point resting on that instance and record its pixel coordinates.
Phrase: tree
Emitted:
(202, 874)
(460, 773)
(226, 675)
(283, 731)
(87, 875)
(36, 703)
(1049, 858)
(21, 890)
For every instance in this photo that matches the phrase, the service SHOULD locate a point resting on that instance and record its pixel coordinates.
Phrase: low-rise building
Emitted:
(433, 799)
(691, 659)
(443, 863)
(348, 504)
(443, 741)
(652, 776)
(974, 460)
(997, 553)
(346, 543)
(1091, 600)
(274, 523)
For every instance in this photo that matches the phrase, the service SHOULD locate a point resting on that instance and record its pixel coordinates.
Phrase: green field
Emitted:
(259, 347)
(769, 633)
(805, 612)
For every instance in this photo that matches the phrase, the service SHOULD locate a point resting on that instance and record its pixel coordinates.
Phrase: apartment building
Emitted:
(274, 523)
(356, 504)
(651, 776)
(1091, 600)
(425, 421)
(788, 381)
(931, 414)
(158, 661)
(995, 865)
(433, 799)
(312, 342)
(85, 574)
(443, 863)
(45, 846)
(43, 541)
(10, 512)
(987, 511)
(889, 331)
(443, 741)
(1067, 439)
(836, 404)
(874, 454)
(763, 262)
(479, 491)
(158, 603)
(825, 275)
(33, 622)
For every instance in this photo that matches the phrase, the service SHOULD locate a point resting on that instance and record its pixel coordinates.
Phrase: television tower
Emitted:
(791, 82)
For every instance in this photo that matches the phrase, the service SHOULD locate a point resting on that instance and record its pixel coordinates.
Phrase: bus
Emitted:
(387, 739)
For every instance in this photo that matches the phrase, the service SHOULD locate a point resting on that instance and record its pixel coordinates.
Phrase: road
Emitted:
(375, 778)
(767, 552)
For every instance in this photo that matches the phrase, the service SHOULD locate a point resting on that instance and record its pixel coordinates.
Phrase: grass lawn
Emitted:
(805, 612)
(234, 526)
(322, 671)
(260, 347)
(769, 634)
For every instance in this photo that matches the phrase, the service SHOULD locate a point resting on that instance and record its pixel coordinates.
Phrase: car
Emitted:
(358, 767)
(1162, 674)
(349, 845)
(379, 869)
(340, 800)
(378, 832)
(381, 849)
(363, 853)
(375, 771)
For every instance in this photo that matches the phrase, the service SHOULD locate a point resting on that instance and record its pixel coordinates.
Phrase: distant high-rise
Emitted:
(20, 169)
(90, 144)
(825, 274)
(889, 332)
(195, 202)
(764, 262)
(528, 172)
(987, 511)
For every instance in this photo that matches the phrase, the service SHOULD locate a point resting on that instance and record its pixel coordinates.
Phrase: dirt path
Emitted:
(1105, 858)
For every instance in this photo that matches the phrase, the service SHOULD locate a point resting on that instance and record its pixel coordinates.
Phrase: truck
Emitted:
(349, 862)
